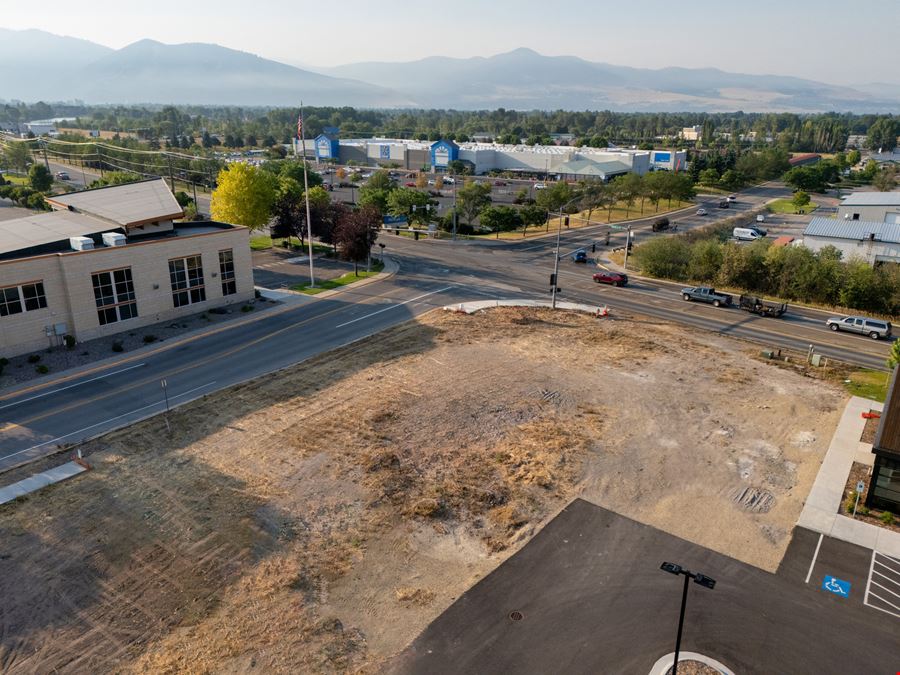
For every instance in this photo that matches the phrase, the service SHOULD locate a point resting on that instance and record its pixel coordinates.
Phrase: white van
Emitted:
(745, 234)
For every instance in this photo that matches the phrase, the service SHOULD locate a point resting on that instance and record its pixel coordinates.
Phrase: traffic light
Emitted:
(593, 247)
(567, 221)
(552, 280)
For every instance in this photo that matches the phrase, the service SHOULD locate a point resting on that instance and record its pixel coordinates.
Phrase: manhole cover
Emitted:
(516, 615)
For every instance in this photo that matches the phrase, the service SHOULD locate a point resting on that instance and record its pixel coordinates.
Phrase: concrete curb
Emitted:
(472, 307)
(661, 667)
(391, 267)
(821, 508)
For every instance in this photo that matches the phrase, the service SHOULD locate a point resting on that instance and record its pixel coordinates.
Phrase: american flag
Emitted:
(300, 126)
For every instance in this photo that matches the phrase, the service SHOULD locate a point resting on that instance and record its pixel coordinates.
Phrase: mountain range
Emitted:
(43, 66)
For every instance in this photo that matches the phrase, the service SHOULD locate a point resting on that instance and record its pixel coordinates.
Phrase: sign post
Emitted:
(860, 487)
(165, 388)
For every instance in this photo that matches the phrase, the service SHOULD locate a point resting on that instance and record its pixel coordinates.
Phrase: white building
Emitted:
(874, 242)
(875, 207)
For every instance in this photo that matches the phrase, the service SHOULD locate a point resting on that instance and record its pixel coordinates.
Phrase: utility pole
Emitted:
(171, 174)
(627, 246)
(44, 148)
(455, 215)
(556, 263)
(312, 275)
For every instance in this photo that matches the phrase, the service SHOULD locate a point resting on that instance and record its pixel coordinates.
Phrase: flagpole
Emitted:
(312, 276)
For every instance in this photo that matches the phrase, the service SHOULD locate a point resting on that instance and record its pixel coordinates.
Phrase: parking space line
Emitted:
(812, 563)
(890, 575)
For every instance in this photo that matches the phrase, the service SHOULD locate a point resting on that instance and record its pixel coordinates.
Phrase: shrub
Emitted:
(247, 308)
(149, 338)
(117, 346)
(70, 341)
(851, 502)
(41, 369)
(3, 361)
(34, 358)
(887, 518)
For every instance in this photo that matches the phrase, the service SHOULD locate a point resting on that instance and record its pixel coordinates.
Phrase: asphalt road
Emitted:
(592, 599)
(34, 420)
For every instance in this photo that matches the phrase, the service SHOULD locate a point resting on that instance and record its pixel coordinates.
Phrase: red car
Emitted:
(613, 278)
(410, 184)
(499, 183)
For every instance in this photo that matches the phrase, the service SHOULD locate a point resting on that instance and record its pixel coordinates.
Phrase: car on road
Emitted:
(500, 183)
(579, 256)
(723, 204)
(450, 180)
(410, 183)
(760, 231)
(540, 186)
(702, 212)
(660, 224)
(746, 234)
(874, 328)
(760, 218)
(62, 175)
(610, 277)
(706, 294)
(732, 198)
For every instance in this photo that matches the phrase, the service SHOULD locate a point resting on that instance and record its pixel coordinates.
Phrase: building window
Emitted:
(855, 216)
(226, 271)
(886, 488)
(186, 276)
(24, 298)
(114, 295)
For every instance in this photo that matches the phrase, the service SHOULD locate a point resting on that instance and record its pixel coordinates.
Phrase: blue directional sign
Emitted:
(836, 586)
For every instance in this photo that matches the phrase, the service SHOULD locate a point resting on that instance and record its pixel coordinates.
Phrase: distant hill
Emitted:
(41, 66)
(147, 71)
(524, 79)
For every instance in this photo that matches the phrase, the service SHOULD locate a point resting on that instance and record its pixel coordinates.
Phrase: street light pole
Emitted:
(556, 263)
(698, 578)
(627, 247)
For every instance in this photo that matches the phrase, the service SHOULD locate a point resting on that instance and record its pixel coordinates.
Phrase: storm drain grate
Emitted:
(516, 615)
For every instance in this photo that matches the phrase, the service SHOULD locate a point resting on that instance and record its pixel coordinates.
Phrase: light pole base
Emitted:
(664, 665)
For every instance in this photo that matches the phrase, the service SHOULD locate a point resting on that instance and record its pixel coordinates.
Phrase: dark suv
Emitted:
(660, 224)
(612, 278)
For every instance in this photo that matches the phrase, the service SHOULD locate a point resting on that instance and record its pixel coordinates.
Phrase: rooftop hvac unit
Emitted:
(81, 243)
(113, 239)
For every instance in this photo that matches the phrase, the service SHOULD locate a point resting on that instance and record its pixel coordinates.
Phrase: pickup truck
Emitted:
(750, 303)
(706, 294)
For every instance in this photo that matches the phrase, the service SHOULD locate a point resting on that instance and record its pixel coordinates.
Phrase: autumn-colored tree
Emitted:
(244, 196)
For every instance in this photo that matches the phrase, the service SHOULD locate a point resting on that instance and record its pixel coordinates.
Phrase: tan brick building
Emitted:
(110, 260)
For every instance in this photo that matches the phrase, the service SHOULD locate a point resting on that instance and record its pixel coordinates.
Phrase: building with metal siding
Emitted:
(873, 242)
(874, 207)
(884, 488)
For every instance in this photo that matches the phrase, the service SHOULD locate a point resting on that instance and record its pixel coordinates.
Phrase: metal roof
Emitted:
(853, 230)
(872, 199)
(588, 167)
(126, 205)
(46, 228)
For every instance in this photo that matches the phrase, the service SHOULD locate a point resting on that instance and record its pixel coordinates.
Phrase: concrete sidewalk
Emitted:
(821, 509)
(40, 480)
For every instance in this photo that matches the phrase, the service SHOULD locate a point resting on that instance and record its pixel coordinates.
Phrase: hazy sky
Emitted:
(838, 42)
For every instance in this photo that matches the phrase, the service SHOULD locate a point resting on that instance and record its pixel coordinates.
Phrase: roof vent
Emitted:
(113, 239)
(81, 243)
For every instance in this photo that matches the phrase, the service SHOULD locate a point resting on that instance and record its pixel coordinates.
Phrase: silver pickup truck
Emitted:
(706, 294)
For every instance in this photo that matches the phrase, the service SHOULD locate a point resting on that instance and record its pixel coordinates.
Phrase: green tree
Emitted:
(882, 134)
(244, 196)
(885, 180)
(17, 154)
(705, 260)
(500, 218)
(731, 179)
(472, 199)
(554, 196)
(894, 357)
(532, 214)
(800, 200)
(40, 177)
(376, 191)
(666, 257)
(853, 158)
(410, 203)
(457, 167)
(709, 177)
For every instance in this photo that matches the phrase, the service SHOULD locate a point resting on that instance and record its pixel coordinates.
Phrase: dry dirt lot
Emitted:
(317, 520)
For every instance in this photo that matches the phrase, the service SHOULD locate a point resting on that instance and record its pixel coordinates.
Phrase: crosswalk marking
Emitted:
(883, 585)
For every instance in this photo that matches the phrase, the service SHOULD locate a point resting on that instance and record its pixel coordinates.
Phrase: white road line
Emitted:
(885, 588)
(869, 580)
(812, 563)
(399, 304)
(77, 384)
(111, 419)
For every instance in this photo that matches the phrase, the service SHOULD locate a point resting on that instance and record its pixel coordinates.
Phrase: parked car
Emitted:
(500, 183)
(540, 186)
(706, 294)
(660, 224)
(579, 256)
(746, 234)
(874, 328)
(612, 278)
(732, 198)
(410, 184)
(702, 212)
(760, 231)
(62, 175)
(723, 204)
(450, 180)
(760, 218)
(328, 187)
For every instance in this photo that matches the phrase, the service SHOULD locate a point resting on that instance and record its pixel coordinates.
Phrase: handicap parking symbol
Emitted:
(836, 586)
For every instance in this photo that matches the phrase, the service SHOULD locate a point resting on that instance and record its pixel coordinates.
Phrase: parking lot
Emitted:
(883, 587)
(587, 595)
